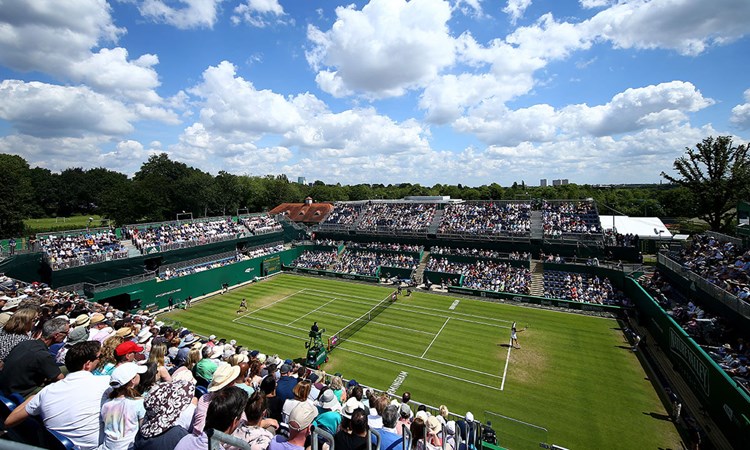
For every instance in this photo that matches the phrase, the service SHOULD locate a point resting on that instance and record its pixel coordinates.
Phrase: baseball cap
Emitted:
(127, 347)
(124, 373)
(285, 368)
(302, 416)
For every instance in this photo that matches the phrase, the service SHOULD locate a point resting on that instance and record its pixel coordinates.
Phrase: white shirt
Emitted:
(72, 406)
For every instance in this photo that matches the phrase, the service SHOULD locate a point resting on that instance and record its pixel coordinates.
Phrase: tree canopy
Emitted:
(716, 173)
(163, 188)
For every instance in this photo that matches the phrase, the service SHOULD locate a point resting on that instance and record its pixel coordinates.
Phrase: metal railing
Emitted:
(93, 288)
(728, 299)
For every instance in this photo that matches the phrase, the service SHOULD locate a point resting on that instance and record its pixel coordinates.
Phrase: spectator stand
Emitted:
(218, 260)
(482, 274)
(718, 337)
(396, 217)
(165, 236)
(581, 287)
(75, 248)
(571, 220)
(343, 217)
(722, 400)
(486, 220)
(258, 224)
(682, 276)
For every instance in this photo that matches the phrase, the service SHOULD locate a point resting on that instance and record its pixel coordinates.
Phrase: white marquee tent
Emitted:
(644, 227)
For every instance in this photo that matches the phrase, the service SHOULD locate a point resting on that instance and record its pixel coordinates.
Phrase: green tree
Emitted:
(716, 173)
(16, 194)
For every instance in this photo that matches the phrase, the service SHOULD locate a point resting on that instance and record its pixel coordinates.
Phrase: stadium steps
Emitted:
(537, 231)
(659, 362)
(132, 250)
(537, 278)
(433, 228)
(422, 265)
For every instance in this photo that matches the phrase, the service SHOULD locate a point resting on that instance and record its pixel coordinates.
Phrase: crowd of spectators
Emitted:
(131, 382)
(615, 239)
(358, 263)
(570, 217)
(486, 218)
(169, 236)
(315, 259)
(63, 252)
(245, 255)
(261, 224)
(403, 217)
(719, 262)
(393, 246)
(343, 214)
(581, 287)
(486, 275)
(725, 344)
(479, 252)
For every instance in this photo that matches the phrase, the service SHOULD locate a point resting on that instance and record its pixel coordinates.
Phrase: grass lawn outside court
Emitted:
(574, 376)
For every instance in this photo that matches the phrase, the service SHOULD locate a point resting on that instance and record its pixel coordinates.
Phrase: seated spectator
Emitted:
(354, 436)
(30, 365)
(329, 409)
(300, 420)
(54, 404)
(164, 405)
(390, 438)
(223, 378)
(123, 413)
(16, 330)
(223, 414)
(301, 392)
(255, 429)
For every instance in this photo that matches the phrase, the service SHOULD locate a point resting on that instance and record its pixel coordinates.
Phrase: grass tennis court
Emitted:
(574, 375)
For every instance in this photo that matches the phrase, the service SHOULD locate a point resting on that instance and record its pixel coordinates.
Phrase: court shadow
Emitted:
(658, 416)
(625, 347)
(503, 345)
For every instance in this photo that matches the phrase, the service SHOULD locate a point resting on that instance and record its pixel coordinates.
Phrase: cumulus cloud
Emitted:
(57, 37)
(686, 26)
(45, 35)
(633, 110)
(244, 129)
(384, 49)
(46, 110)
(741, 113)
(232, 104)
(56, 153)
(190, 14)
(515, 9)
(258, 13)
(591, 4)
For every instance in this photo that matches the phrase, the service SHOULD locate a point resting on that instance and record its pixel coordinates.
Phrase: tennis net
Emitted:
(346, 332)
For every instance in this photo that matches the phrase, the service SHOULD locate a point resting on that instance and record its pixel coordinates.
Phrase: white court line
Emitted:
(414, 306)
(433, 339)
(411, 309)
(268, 305)
(378, 323)
(420, 368)
(507, 360)
(321, 306)
(425, 359)
(382, 359)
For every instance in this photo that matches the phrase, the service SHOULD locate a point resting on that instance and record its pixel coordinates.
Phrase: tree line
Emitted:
(710, 179)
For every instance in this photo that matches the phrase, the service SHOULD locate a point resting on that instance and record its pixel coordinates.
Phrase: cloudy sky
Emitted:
(385, 91)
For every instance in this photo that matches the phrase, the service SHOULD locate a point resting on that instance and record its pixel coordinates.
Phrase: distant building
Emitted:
(301, 180)
(562, 182)
(543, 182)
